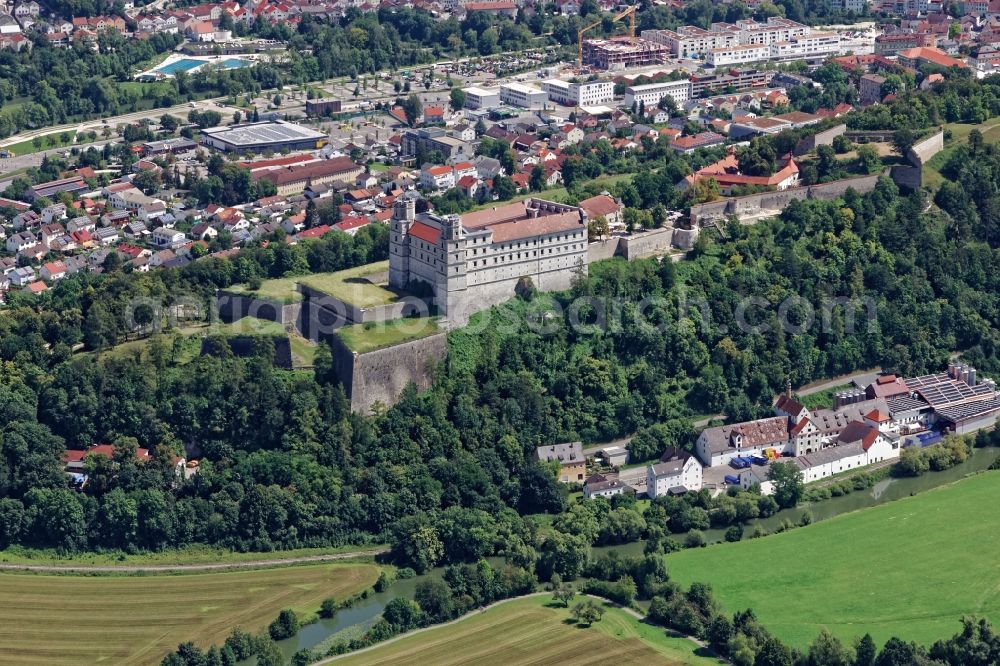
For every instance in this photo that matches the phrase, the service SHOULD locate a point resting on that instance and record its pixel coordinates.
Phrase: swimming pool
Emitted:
(234, 63)
(182, 65)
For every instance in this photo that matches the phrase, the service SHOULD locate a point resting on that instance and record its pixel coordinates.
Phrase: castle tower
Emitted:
(403, 214)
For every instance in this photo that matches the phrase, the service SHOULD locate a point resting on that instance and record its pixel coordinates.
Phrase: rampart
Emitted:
(755, 204)
(380, 376)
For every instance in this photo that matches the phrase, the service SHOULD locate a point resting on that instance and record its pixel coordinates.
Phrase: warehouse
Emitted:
(258, 137)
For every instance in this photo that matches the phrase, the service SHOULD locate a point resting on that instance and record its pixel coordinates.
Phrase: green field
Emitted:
(48, 141)
(279, 290)
(70, 620)
(529, 631)
(911, 568)
(180, 556)
(362, 287)
(959, 136)
(363, 338)
(303, 351)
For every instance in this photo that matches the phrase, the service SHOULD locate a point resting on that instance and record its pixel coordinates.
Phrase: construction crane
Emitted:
(630, 13)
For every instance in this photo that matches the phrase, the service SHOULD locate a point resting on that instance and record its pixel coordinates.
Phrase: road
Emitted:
(154, 568)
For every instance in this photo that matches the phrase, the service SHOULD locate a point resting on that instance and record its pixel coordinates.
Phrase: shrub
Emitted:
(284, 626)
(328, 608)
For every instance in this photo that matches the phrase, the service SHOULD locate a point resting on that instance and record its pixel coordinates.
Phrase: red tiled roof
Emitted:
(315, 232)
(538, 226)
(353, 223)
(602, 204)
(932, 55)
(425, 232)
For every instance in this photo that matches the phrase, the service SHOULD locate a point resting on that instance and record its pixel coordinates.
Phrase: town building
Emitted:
(619, 53)
(572, 462)
(870, 89)
(431, 139)
(735, 80)
(526, 97)
(726, 172)
(589, 93)
(600, 485)
(294, 179)
(481, 98)
(272, 135)
(323, 106)
(677, 472)
(73, 185)
(917, 57)
(650, 94)
(473, 261)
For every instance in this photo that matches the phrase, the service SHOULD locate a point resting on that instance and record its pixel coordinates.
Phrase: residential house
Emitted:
(677, 472)
(599, 485)
(572, 463)
(53, 270)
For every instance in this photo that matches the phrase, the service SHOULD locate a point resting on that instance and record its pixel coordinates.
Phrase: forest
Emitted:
(451, 470)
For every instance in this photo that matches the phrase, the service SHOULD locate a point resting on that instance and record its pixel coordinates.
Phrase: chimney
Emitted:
(788, 387)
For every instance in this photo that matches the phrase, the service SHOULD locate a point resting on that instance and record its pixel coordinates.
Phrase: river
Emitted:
(887, 490)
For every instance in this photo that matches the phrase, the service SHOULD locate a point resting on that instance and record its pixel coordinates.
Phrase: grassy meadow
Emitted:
(64, 620)
(911, 568)
(532, 631)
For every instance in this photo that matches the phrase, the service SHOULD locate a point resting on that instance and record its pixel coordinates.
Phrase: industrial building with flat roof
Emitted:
(269, 135)
(526, 97)
(589, 93)
(481, 98)
(650, 94)
(623, 52)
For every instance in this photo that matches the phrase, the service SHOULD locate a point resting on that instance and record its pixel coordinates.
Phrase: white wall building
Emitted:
(527, 97)
(481, 98)
(681, 472)
(650, 94)
(590, 93)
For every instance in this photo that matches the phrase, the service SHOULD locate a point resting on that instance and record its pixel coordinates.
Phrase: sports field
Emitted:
(911, 568)
(132, 620)
(530, 631)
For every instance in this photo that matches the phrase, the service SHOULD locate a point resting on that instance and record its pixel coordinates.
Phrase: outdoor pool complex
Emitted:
(187, 64)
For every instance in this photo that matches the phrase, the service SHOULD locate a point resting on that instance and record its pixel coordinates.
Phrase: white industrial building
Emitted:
(526, 97)
(481, 98)
(650, 94)
(590, 93)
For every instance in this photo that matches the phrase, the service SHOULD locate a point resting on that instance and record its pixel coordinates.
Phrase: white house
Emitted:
(677, 472)
(168, 238)
(20, 242)
(437, 177)
(601, 486)
(20, 277)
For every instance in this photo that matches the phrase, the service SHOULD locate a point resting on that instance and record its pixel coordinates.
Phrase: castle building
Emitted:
(474, 261)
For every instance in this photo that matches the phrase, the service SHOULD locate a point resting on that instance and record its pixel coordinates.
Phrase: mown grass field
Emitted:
(530, 631)
(358, 286)
(136, 620)
(911, 568)
(377, 335)
(959, 136)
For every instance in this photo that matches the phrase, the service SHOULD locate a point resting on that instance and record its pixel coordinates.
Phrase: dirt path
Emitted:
(213, 566)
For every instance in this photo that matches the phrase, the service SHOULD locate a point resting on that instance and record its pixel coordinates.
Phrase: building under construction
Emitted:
(619, 53)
